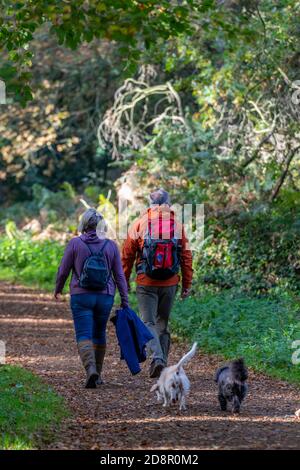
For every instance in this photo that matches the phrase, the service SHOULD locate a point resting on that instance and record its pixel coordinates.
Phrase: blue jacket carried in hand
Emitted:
(133, 336)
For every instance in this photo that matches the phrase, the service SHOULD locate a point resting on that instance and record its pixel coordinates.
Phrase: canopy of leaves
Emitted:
(134, 24)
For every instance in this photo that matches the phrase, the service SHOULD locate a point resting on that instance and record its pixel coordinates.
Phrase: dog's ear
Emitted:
(216, 378)
(217, 375)
(154, 387)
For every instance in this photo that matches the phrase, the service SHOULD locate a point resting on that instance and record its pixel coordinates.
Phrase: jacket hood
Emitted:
(90, 237)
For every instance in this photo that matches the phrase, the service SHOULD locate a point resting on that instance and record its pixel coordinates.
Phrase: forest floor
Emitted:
(123, 414)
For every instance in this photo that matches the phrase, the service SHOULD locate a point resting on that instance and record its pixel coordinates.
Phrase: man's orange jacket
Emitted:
(133, 246)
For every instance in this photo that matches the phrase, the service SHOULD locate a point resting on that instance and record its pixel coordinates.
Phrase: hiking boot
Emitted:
(87, 356)
(155, 368)
(99, 357)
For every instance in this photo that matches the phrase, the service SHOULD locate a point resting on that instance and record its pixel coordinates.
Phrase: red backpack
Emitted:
(160, 257)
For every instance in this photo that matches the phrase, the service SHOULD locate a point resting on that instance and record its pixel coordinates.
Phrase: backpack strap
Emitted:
(87, 245)
(104, 245)
(149, 222)
(101, 249)
(160, 218)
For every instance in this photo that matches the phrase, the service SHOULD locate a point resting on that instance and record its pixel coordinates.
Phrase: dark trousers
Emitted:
(90, 315)
(155, 304)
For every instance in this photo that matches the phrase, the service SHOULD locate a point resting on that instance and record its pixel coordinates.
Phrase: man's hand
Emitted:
(124, 305)
(185, 293)
(57, 296)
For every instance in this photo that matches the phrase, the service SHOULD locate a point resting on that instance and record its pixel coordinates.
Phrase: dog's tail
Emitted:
(239, 370)
(187, 356)
(154, 387)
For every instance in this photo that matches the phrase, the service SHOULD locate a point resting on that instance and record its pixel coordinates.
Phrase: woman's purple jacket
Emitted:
(74, 257)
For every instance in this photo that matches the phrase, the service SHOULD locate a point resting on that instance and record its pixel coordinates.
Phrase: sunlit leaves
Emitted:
(134, 23)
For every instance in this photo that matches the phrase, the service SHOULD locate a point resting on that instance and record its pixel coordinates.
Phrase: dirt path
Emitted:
(123, 414)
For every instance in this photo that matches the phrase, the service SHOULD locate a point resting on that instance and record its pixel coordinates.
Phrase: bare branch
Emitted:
(260, 145)
(284, 173)
(131, 119)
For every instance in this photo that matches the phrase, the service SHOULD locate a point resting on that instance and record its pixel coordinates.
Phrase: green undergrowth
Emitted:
(260, 329)
(28, 262)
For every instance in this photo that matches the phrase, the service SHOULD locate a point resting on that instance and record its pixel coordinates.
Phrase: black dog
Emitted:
(232, 387)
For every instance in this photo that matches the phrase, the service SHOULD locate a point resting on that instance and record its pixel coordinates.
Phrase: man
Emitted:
(160, 248)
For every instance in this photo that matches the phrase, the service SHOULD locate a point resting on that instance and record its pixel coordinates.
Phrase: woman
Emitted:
(91, 308)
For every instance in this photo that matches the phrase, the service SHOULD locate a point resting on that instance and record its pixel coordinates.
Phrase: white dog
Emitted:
(173, 384)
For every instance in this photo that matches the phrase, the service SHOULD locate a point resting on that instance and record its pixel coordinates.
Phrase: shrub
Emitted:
(35, 263)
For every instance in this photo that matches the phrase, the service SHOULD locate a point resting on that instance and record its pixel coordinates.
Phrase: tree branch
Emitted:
(284, 173)
(257, 149)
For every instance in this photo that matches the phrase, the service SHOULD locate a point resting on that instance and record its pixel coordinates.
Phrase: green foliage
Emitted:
(53, 140)
(259, 329)
(59, 203)
(235, 77)
(130, 23)
(92, 192)
(11, 230)
(255, 251)
(30, 262)
(53, 207)
(233, 74)
(30, 411)
(17, 213)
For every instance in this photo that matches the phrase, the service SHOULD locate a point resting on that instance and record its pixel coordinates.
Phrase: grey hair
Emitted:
(89, 220)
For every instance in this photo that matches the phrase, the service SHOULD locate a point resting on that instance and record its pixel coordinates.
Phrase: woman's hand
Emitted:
(57, 296)
(185, 293)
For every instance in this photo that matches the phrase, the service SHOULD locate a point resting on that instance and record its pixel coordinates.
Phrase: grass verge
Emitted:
(29, 410)
(261, 329)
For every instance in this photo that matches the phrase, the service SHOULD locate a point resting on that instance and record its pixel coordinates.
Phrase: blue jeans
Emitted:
(90, 315)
